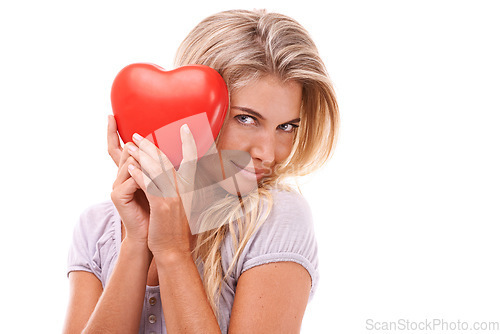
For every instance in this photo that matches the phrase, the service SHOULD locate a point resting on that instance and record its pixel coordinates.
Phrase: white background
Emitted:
(406, 213)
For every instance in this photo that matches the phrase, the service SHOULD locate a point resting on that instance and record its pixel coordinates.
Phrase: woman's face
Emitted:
(258, 132)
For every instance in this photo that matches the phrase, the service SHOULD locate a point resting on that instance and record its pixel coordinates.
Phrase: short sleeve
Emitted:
(94, 244)
(286, 235)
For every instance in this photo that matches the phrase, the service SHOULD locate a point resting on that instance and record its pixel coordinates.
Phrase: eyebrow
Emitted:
(256, 114)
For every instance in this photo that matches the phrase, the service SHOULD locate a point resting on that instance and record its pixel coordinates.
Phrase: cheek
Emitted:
(284, 148)
(232, 138)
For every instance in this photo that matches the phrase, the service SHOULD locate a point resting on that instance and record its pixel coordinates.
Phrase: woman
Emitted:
(135, 265)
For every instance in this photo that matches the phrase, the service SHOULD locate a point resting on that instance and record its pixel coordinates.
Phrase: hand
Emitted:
(169, 192)
(128, 198)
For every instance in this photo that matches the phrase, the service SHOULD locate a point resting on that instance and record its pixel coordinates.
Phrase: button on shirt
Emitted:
(152, 319)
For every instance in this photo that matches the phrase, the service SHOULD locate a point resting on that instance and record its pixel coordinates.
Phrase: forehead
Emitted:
(271, 97)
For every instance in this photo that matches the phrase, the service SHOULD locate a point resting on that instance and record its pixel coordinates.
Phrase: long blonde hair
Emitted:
(244, 46)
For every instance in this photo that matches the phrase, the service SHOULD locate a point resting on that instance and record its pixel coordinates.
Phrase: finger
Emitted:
(154, 152)
(123, 174)
(163, 179)
(148, 164)
(187, 168)
(126, 153)
(144, 182)
(114, 148)
(126, 190)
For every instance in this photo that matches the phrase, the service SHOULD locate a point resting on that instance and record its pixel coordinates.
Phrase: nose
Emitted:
(263, 149)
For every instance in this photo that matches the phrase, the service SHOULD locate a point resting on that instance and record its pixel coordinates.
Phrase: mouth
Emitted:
(249, 173)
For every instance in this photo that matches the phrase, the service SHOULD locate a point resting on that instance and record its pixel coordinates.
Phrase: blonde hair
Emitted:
(244, 46)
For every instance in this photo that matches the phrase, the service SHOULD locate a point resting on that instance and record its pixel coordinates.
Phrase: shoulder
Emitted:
(96, 222)
(96, 238)
(287, 234)
(289, 208)
(98, 217)
(289, 223)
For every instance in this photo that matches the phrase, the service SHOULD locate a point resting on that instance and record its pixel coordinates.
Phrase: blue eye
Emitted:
(291, 128)
(245, 119)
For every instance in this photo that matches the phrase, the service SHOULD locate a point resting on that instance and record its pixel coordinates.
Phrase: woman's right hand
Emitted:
(128, 198)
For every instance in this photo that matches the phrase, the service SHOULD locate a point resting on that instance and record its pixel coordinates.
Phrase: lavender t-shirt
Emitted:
(286, 235)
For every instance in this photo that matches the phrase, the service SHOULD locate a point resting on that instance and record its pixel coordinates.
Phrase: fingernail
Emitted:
(131, 167)
(185, 128)
(132, 148)
(137, 137)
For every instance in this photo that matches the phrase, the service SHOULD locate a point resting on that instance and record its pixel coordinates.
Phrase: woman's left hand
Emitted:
(168, 191)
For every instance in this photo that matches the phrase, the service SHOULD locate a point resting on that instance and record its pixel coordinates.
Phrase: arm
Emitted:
(85, 290)
(185, 304)
(270, 298)
(120, 307)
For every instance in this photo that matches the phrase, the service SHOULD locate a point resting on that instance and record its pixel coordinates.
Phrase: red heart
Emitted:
(155, 103)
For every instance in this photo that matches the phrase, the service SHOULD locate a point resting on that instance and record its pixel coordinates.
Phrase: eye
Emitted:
(245, 119)
(291, 127)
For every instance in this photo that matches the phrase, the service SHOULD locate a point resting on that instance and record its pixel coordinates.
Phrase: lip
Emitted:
(257, 173)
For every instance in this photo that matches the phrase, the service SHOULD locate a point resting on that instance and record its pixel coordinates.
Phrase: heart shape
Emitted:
(155, 103)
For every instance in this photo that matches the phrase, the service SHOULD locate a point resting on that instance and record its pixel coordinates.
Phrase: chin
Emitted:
(224, 171)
